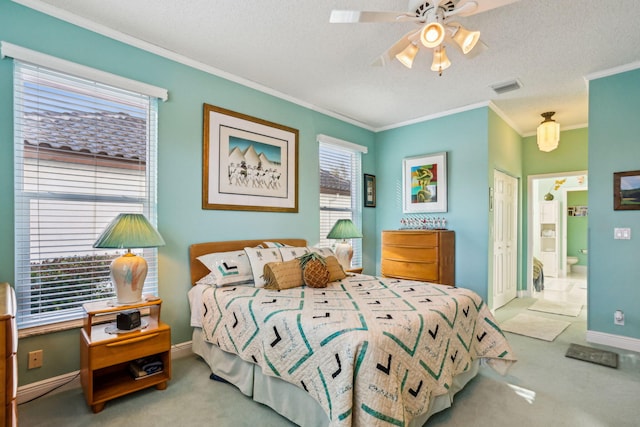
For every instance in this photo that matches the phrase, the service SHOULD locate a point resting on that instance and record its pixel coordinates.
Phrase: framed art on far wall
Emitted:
(369, 191)
(249, 164)
(424, 183)
(626, 190)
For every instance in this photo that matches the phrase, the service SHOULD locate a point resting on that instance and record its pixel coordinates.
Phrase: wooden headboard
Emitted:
(198, 270)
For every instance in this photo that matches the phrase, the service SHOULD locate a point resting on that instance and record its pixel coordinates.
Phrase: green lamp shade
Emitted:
(129, 271)
(344, 229)
(128, 231)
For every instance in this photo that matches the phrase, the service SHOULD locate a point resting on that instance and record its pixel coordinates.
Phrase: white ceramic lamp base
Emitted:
(344, 254)
(128, 273)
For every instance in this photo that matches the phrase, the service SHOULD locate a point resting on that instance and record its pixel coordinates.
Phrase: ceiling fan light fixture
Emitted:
(432, 35)
(548, 133)
(440, 60)
(407, 55)
(466, 39)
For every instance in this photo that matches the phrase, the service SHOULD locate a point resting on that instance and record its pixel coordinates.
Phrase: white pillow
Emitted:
(258, 257)
(325, 252)
(275, 245)
(228, 268)
(289, 252)
(208, 280)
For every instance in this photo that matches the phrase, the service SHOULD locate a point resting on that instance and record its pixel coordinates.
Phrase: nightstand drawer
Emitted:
(126, 349)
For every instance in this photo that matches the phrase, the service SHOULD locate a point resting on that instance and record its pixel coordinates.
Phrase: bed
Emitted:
(363, 351)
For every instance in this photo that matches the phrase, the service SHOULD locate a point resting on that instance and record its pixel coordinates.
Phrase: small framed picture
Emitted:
(369, 191)
(626, 190)
(424, 183)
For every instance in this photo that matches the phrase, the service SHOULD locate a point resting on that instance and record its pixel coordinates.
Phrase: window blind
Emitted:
(84, 152)
(340, 191)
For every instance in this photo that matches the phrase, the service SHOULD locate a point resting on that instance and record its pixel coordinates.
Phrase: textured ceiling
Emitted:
(289, 48)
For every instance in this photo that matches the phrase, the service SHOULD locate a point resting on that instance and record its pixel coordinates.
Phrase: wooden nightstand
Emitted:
(105, 356)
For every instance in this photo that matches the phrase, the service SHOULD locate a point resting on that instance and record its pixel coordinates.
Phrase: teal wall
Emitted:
(614, 146)
(467, 148)
(577, 227)
(181, 221)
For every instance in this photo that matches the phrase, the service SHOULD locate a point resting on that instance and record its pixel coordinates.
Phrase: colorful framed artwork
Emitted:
(249, 164)
(626, 190)
(424, 183)
(369, 191)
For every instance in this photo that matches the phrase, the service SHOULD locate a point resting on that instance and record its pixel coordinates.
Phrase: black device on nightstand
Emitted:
(127, 320)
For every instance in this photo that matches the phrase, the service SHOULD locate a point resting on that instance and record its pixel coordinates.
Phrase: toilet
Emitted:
(570, 261)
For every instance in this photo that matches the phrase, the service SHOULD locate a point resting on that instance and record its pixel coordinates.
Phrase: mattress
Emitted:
(365, 350)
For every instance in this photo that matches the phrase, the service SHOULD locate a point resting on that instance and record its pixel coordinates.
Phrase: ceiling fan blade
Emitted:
(480, 6)
(358, 16)
(398, 47)
(465, 9)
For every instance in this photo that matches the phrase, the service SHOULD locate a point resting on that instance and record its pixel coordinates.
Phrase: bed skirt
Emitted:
(298, 407)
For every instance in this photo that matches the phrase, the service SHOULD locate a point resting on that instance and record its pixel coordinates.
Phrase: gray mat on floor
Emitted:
(593, 355)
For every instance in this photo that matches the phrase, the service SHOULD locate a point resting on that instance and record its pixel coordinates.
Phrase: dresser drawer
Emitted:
(124, 350)
(424, 271)
(410, 238)
(403, 253)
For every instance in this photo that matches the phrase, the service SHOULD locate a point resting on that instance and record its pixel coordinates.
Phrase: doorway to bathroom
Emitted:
(557, 238)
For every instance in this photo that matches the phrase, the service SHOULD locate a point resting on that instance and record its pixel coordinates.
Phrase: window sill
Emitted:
(48, 329)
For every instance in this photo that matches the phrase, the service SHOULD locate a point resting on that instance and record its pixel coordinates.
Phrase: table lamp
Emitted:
(128, 271)
(344, 229)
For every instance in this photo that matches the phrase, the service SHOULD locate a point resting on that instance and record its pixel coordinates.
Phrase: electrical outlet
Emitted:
(618, 317)
(622, 233)
(35, 359)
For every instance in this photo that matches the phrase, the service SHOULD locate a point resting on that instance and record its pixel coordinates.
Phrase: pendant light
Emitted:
(548, 133)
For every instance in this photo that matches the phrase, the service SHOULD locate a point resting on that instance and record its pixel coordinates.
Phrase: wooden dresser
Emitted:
(425, 255)
(8, 358)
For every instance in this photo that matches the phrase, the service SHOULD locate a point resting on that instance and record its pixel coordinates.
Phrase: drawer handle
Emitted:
(132, 340)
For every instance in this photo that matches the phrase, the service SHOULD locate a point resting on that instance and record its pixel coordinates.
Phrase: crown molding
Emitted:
(613, 71)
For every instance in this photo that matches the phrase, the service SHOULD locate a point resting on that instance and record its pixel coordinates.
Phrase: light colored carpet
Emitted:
(533, 326)
(564, 308)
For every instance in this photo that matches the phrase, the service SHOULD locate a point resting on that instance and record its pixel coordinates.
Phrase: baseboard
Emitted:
(617, 341)
(71, 380)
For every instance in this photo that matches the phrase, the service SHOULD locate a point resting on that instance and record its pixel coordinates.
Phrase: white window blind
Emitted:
(340, 191)
(84, 152)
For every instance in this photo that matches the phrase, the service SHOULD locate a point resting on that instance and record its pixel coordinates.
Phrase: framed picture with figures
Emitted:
(249, 164)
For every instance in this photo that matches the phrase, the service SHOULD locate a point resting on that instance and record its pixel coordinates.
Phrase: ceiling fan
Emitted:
(434, 28)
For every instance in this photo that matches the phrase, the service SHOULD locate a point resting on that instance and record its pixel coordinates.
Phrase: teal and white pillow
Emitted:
(227, 268)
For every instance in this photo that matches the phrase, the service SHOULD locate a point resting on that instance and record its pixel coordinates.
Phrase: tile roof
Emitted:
(332, 184)
(105, 133)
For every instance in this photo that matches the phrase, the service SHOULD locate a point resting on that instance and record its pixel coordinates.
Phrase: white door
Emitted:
(505, 238)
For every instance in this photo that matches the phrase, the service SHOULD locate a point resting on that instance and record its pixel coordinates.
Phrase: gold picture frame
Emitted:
(249, 164)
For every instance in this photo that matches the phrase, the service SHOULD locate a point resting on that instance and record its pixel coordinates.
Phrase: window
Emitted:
(340, 189)
(85, 151)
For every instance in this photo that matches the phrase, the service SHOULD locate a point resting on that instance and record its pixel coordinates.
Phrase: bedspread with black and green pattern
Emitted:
(372, 351)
